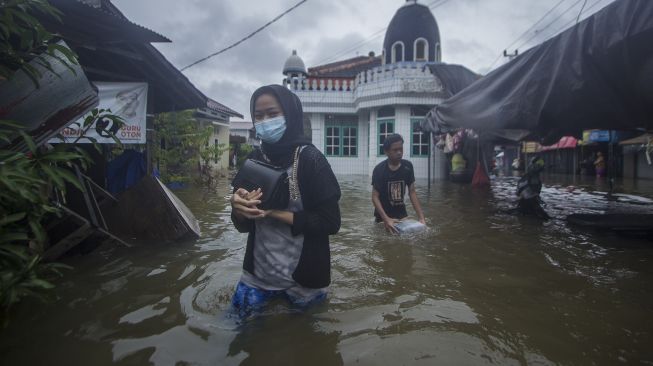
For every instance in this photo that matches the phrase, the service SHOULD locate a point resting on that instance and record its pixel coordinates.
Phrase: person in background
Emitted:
(529, 187)
(599, 165)
(391, 179)
(287, 254)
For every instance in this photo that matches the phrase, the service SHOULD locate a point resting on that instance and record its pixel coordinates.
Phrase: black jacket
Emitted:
(320, 218)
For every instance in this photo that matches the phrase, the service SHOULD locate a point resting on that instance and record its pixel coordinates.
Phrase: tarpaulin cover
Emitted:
(596, 74)
(566, 142)
(125, 171)
(454, 78)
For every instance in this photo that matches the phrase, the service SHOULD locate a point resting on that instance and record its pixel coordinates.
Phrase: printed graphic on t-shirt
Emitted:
(396, 189)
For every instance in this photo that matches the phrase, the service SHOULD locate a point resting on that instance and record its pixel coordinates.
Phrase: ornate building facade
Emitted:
(350, 106)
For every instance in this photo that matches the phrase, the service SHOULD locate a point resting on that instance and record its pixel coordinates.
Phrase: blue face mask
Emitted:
(271, 130)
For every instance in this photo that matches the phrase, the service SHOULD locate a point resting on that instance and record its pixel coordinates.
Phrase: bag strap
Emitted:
(294, 186)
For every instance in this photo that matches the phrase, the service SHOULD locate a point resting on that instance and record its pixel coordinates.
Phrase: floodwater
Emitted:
(480, 287)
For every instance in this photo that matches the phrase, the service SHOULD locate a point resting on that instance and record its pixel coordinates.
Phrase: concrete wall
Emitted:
(221, 134)
(368, 156)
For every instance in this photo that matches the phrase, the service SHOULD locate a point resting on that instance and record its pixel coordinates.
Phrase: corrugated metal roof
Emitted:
(345, 68)
(101, 24)
(111, 48)
(218, 107)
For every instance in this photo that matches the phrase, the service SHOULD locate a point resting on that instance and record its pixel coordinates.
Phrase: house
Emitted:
(217, 116)
(242, 132)
(113, 50)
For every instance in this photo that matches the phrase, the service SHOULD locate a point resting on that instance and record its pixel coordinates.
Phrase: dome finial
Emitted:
(294, 65)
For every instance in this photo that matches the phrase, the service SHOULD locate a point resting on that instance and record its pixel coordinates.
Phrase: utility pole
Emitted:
(510, 56)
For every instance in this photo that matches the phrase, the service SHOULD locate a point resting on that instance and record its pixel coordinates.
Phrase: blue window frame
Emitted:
(419, 141)
(341, 139)
(332, 140)
(385, 128)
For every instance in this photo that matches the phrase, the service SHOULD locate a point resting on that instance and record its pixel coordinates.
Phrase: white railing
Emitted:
(400, 70)
(393, 71)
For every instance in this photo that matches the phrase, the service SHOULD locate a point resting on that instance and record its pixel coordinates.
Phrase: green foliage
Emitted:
(245, 150)
(29, 175)
(177, 131)
(90, 120)
(188, 150)
(23, 39)
(26, 180)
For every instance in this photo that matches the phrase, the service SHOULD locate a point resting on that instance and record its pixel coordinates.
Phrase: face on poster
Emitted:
(127, 100)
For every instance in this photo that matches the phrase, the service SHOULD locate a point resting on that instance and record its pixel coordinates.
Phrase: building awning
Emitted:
(596, 74)
(644, 139)
(221, 124)
(566, 142)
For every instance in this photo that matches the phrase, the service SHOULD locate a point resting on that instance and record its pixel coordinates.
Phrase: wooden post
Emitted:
(87, 199)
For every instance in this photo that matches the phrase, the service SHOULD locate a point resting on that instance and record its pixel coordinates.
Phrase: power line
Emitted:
(247, 37)
(374, 36)
(550, 23)
(527, 31)
(593, 6)
(581, 11)
(566, 25)
(432, 5)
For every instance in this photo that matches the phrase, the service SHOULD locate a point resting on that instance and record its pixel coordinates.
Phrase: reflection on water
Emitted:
(480, 286)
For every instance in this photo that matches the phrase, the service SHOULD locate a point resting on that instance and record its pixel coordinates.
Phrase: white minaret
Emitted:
(294, 72)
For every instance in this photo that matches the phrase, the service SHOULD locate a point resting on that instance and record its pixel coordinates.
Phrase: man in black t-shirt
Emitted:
(390, 180)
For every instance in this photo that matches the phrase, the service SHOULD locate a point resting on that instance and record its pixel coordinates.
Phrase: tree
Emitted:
(185, 150)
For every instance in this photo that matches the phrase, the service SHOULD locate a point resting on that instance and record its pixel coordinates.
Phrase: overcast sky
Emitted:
(473, 33)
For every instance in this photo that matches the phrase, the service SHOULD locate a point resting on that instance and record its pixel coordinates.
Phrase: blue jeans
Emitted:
(249, 300)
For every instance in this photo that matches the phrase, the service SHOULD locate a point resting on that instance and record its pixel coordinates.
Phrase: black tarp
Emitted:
(454, 78)
(596, 74)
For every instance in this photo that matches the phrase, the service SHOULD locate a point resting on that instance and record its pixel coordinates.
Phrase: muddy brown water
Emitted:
(480, 287)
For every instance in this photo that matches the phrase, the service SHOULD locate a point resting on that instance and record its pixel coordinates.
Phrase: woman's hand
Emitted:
(243, 203)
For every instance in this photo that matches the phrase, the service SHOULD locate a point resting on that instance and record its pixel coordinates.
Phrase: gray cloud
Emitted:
(474, 33)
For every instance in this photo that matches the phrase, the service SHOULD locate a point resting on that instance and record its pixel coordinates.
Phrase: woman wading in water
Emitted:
(287, 254)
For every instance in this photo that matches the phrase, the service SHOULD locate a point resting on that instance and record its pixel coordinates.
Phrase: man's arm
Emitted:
(412, 193)
(388, 222)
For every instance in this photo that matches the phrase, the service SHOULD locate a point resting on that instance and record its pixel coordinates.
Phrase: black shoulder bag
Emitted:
(273, 181)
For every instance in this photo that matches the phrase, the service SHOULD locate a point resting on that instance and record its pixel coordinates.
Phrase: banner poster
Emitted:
(127, 100)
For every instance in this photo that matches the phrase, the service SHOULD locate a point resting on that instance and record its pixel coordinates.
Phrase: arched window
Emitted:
(421, 49)
(397, 52)
(438, 53)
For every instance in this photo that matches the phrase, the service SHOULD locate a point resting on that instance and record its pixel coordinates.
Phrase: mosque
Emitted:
(350, 106)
